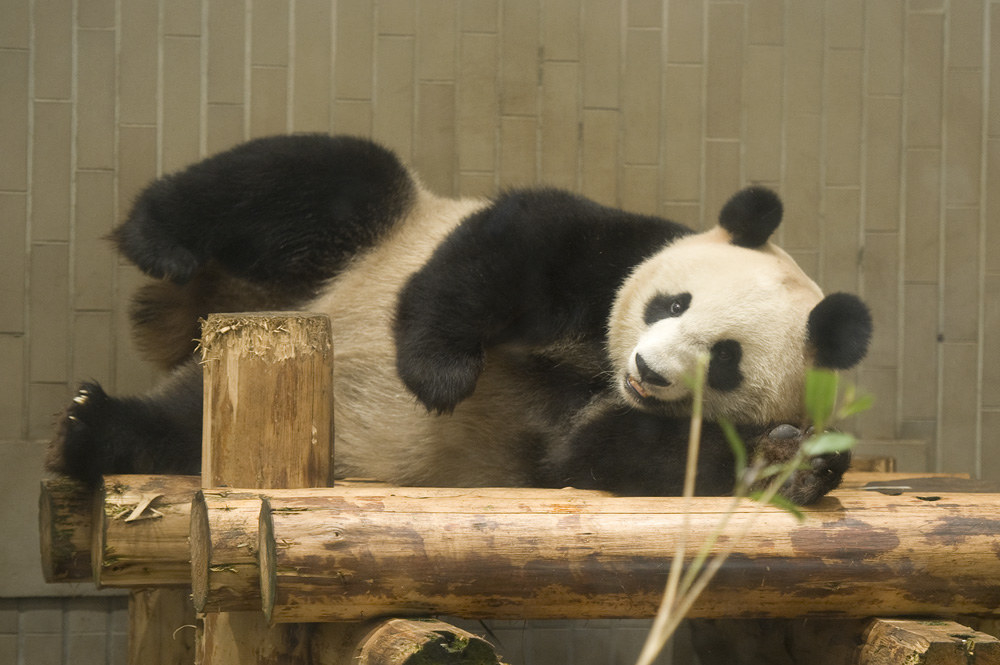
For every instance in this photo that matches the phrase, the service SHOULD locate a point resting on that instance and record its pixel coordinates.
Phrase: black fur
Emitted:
(724, 365)
(535, 267)
(156, 433)
(528, 280)
(633, 453)
(287, 211)
(751, 216)
(666, 306)
(839, 330)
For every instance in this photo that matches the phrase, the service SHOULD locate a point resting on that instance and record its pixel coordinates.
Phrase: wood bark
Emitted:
(937, 642)
(267, 423)
(268, 400)
(65, 525)
(161, 628)
(225, 576)
(333, 555)
(140, 531)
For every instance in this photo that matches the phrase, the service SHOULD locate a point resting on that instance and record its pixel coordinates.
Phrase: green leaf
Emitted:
(821, 396)
(828, 443)
(856, 406)
(736, 445)
(781, 502)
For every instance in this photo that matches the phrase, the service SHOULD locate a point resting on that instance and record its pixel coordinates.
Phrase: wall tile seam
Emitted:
(946, 83)
(982, 337)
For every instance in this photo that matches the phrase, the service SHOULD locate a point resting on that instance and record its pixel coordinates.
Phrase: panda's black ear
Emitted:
(751, 216)
(839, 330)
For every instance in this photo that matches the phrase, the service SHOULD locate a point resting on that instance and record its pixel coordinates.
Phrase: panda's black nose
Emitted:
(648, 375)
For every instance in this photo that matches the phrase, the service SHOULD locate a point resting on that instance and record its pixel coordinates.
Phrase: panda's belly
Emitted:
(380, 430)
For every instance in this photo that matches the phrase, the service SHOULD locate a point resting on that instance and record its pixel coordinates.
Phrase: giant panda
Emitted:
(533, 339)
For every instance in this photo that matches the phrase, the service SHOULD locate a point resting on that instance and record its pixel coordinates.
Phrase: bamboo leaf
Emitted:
(855, 406)
(781, 502)
(828, 443)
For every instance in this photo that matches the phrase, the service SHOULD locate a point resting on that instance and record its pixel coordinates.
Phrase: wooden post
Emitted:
(268, 400)
(161, 627)
(900, 641)
(267, 423)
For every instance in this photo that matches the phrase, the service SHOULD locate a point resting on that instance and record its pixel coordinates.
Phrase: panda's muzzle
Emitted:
(647, 376)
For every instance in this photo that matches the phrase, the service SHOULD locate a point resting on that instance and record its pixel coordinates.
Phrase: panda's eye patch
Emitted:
(666, 306)
(724, 365)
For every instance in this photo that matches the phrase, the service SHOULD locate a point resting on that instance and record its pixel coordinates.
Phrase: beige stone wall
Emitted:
(879, 122)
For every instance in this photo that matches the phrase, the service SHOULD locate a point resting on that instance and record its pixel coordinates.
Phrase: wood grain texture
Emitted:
(140, 531)
(937, 642)
(329, 555)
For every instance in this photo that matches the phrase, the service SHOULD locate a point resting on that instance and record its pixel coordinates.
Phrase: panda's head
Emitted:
(732, 294)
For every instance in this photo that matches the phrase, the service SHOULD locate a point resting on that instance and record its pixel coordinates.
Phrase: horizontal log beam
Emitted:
(334, 555)
(140, 529)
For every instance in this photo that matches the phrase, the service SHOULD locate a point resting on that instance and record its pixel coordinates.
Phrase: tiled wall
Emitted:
(44, 631)
(879, 122)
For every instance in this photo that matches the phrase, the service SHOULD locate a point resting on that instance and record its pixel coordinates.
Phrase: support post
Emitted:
(267, 423)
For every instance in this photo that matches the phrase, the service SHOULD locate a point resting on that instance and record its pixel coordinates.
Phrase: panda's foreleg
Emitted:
(159, 432)
(616, 448)
(619, 449)
(533, 269)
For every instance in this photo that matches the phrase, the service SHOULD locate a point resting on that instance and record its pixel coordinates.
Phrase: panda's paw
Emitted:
(77, 449)
(439, 382)
(821, 474)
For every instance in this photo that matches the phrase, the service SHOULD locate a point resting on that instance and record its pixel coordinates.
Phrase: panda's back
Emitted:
(378, 423)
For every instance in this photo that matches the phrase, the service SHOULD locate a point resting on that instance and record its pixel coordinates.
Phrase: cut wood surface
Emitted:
(926, 642)
(140, 531)
(407, 641)
(65, 525)
(334, 554)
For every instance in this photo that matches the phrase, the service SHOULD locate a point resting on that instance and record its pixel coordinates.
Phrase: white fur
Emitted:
(759, 297)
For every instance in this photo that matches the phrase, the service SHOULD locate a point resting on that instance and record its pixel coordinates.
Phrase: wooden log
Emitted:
(328, 555)
(225, 576)
(65, 525)
(267, 423)
(224, 567)
(140, 531)
(928, 642)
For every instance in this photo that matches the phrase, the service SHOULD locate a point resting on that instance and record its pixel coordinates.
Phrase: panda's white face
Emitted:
(746, 308)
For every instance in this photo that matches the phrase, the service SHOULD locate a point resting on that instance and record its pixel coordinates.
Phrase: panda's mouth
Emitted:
(635, 388)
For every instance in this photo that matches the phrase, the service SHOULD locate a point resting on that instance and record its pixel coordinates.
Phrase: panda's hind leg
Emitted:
(288, 212)
(159, 432)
